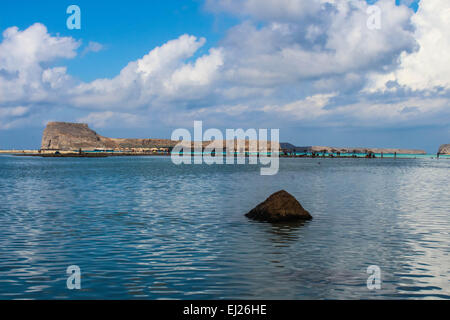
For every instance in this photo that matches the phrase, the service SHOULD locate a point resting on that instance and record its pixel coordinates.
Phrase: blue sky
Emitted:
(314, 69)
(127, 29)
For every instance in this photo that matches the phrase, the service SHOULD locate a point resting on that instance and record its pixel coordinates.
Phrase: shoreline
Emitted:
(26, 153)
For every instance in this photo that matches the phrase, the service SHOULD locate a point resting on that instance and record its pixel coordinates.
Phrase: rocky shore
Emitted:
(75, 136)
(444, 149)
(75, 139)
(323, 149)
(66, 136)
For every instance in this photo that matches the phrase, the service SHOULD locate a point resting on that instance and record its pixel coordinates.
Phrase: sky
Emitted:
(325, 72)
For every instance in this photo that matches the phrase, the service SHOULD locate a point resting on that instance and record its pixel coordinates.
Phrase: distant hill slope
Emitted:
(69, 136)
(73, 136)
(368, 150)
(320, 149)
(444, 149)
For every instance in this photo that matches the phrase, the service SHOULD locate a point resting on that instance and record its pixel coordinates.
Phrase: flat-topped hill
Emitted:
(68, 136)
(74, 136)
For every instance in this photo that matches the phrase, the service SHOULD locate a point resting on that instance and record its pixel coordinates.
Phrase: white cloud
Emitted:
(200, 73)
(109, 118)
(161, 76)
(310, 108)
(365, 113)
(55, 77)
(428, 67)
(15, 111)
(93, 47)
(336, 42)
(411, 111)
(292, 60)
(9, 116)
(168, 56)
(23, 77)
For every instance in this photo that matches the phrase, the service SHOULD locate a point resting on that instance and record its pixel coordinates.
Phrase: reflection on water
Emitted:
(285, 233)
(142, 228)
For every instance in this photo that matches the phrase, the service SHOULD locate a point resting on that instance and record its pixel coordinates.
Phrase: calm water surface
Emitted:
(143, 228)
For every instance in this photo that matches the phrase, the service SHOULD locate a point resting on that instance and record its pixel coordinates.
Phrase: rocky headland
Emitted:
(66, 136)
(70, 137)
(444, 149)
(74, 136)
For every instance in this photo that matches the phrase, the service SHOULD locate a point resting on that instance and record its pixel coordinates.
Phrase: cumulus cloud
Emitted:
(55, 77)
(412, 111)
(11, 116)
(281, 10)
(161, 76)
(428, 67)
(22, 58)
(310, 108)
(415, 111)
(108, 118)
(92, 47)
(286, 60)
(337, 42)
(24, 77)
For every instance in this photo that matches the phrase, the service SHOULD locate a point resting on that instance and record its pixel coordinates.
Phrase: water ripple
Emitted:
(142, 228)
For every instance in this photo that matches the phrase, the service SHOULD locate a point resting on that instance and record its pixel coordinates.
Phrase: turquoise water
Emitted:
(385, 155)
(143, 228)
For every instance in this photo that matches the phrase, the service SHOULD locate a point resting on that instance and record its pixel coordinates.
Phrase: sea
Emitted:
(145, 228)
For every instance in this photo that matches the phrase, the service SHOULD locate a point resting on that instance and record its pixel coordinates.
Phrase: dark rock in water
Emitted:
(279, 207)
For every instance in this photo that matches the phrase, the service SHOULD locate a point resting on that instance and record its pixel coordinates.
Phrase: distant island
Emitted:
(66, 136)
(359, 150)
(77, 138)
(444, 149)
